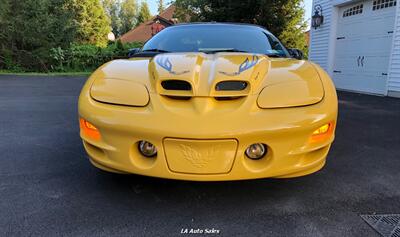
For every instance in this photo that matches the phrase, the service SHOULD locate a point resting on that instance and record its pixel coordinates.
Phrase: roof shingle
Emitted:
(143, 32)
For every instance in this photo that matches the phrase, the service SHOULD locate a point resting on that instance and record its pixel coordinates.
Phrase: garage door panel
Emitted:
(363, 47)
(361, 83)
(342, 82)
(380, 25)
(376, 65)
(347, 28)
(372, 84)
(379, 44)
(349, 64)
(346, 47)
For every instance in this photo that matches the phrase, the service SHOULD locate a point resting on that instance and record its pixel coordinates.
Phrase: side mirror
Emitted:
(133, 52)
(296, 53)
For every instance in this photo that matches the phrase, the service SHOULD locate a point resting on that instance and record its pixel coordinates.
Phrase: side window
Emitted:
(276, 46)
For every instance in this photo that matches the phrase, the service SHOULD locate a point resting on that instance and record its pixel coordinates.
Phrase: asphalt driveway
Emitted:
(48, 188)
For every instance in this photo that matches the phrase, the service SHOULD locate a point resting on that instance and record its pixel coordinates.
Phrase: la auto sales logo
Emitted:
(204, 231)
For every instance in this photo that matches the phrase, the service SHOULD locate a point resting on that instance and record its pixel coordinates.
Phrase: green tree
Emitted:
(218, 10)
(93, 23)
(288, 22)
(144, 13)
(284, 18)
(128, 13)
(30, 28)
(4, 20)
(161, 6)
(112, 8)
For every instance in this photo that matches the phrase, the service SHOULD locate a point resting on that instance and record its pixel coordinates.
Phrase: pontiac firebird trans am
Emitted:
(209, 101)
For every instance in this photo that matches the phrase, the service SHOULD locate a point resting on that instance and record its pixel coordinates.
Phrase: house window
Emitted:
(358, 9)
(380, 4)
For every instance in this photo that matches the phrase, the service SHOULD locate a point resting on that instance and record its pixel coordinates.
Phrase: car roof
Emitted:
(234, 24)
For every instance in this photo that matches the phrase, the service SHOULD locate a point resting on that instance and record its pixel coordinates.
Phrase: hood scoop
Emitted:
(176, 85)
(231, 85)
(229, 75)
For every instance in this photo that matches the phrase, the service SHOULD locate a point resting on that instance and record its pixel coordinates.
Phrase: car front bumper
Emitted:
(192, 145)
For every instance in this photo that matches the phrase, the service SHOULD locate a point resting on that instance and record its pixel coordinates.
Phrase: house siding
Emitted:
(320, 38)
(393, 83)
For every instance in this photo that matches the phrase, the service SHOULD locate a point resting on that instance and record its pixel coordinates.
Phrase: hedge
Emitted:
(76, 58)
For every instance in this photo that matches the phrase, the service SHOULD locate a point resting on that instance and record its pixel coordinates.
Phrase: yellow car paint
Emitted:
(202, 134)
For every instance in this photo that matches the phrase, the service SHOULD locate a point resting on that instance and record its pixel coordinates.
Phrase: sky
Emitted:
(153, 6)
(307, 7)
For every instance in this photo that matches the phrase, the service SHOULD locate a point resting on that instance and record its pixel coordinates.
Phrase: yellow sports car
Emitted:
(209, 101)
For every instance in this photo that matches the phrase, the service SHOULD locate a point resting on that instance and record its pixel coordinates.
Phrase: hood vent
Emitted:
(177, 85)
(231, 86)
(224, 98)
(179, 97)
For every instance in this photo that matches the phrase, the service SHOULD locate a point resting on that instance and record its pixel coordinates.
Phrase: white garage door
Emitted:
(363, 44)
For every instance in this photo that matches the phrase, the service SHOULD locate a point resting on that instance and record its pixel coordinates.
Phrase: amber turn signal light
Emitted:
(323, 133)
(89, 129)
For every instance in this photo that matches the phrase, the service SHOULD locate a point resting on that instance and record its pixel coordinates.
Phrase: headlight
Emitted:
(121, 92)
(290, 94)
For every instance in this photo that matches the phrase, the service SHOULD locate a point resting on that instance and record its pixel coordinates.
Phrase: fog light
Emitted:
(256, 151)
(147, 149)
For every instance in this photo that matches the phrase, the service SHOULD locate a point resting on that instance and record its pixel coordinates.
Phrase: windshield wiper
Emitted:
(275, 55)
(156, 50)
(205, 50)
(148, 53)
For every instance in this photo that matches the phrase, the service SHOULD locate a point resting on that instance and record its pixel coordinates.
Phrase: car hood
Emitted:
(291, 82)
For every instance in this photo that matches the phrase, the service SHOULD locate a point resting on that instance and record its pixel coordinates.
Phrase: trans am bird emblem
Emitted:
(246, 64)
(165, 63)
(196, 158)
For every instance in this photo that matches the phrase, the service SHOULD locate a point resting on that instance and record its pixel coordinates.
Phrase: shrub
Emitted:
(87, 57)
(75, 58)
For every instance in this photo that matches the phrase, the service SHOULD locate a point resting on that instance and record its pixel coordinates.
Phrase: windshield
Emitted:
(211, 38)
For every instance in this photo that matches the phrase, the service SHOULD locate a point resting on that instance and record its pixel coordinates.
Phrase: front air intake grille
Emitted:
(231, 86)
(177, 85)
